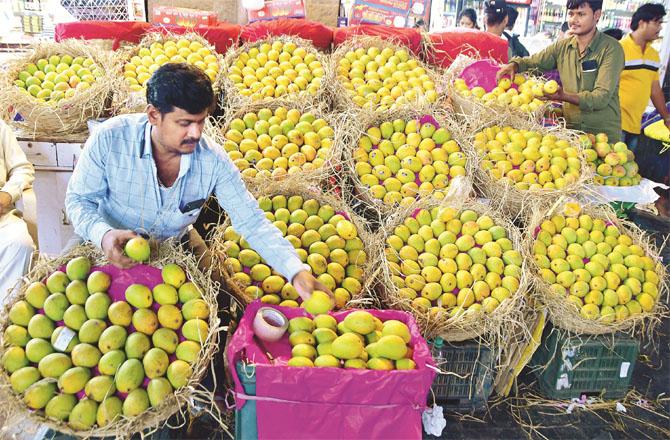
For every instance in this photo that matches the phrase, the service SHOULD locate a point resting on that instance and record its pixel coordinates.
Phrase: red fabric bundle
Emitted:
(448, 45)
(405, 36)
(319, 34)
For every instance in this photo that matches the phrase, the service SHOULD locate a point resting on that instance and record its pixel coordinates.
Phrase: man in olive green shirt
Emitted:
(590, 64)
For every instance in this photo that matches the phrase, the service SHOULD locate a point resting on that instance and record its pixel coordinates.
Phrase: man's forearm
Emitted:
(571, 98)
(658, 100)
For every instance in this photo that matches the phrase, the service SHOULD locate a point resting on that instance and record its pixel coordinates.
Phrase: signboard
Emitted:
(279, 9)
(397, 13)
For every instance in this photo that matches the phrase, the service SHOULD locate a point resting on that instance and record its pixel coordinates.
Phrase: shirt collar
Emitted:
(184, 163)
(594, 42)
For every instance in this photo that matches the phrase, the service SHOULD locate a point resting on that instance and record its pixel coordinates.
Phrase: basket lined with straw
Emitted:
(284, 68)
(374, 74)
(406, 154)
(270, 141)
(156, 49)
(57, 87)
(526, 166)
(107, 371)
(595, 273)
(332, 241)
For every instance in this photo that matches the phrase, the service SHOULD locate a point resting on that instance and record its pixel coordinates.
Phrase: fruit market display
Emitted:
(528, 159)
(326, 240)
(157, 50)
(274, 142)
(521, 93)
(596, 266)
(275, 68)
(613, 164)
(398, 160)
(360, 341)
(382, 77)
(81, 355)
(57, 77)
(446, 260)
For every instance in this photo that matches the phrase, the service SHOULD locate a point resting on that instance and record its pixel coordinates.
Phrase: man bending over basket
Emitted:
(152, 172)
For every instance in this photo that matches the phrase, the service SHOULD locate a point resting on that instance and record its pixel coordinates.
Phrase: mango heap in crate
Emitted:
(122, 357)
(596, 266)
(384, 78)
(524, 97)
(360, 341)
(613, 164)
(58, 77)
(400, 160)
(272, 144)
(324, 240)
(443, 259)
(276, 69)
(141, 66)
(528, 159)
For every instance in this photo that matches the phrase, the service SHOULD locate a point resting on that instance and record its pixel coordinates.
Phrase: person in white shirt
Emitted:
(16, 245)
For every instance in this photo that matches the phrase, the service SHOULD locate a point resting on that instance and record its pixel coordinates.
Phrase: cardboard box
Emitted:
(278, 9)
(171, 16)
(323, 11)
(229, 11)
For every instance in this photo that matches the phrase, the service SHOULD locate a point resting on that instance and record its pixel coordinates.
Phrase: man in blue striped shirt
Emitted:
(151, 173)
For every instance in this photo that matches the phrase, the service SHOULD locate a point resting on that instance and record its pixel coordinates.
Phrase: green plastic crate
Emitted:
(596, 365)
(468, 359)
(246, 427)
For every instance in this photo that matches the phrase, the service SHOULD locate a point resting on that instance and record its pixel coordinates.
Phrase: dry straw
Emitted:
(129, 101)
(522, 203)
(564, 314)
(474, 111)
(192, 397)
(371, 242)
(233, 99)
(69, 115)
(468, 325)
(341, 123)
(360, 194)
(342, 98)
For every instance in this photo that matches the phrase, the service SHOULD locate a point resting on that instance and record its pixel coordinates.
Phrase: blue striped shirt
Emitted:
(115, 186)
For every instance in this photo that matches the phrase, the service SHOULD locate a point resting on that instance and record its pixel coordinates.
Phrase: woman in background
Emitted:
(468, 19)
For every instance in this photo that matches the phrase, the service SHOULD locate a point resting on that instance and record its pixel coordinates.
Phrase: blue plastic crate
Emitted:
(246, 427)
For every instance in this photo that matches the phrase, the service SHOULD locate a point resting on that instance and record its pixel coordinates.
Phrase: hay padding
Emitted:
(194, 395)
(467, 325)
(564, 314)
(233, 99)
(473, 110)
(126, 100)
(371, 242)
(341, 98)
(69, 115)
(522, 203)
(341, 123)
(460, 189)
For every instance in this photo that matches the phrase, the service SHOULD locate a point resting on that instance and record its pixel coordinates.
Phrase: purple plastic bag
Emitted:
(307, 403)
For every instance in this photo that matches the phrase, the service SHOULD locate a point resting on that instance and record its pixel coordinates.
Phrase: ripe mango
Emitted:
(138, 249)
(145, 321)
(60, 407)
(120, 313)
(158, 390)
(83, 415)
(188, 351)
(394, 327)
(74, 380)
(97, 305)
(178, 373)
(195, 330)
(173, 275)
(75, 316)
(100, 387)
(347, 346)
(40, 326)
(98, 281)
(195, 308)
(112, 338)
(108, 411)
(57, 282)
(22, 378)
(56, 334)
(155, 363)
(380, 364)
(85, 355)
(165, 294)
(327, 361)
(36, 294)
(54, 365)
(360, 321)
(358, 364)
(91, 330)
(111, 361)
(300, 323)
(319, 303)
(165, 339)
(16, 335)
(129, 376)
(300, 362)
(170, 316)
(139, 295)
(391, 347)
(21, 313)
(188, 291)
(137, 344)
(38, 394)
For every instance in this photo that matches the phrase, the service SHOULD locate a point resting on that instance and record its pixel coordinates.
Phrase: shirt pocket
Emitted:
(589, 80)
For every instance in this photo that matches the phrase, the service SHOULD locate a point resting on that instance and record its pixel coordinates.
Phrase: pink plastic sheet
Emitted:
(308, 403)
(482, 73)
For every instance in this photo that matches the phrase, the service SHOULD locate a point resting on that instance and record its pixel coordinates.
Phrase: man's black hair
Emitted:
(595, 5)
(180, 85)
(615, 33)
(647, 12)
(495, 11)
(512, 15)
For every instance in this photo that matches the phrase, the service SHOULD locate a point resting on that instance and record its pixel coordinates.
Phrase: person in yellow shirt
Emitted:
(640, 78)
